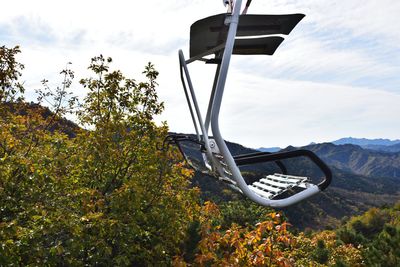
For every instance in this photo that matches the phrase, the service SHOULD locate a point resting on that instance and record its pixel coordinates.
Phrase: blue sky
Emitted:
(335, 75)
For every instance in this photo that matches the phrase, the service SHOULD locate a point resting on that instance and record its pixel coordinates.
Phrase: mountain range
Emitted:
(380, 144)
(364, 142)
(357, 160)
(385, 145)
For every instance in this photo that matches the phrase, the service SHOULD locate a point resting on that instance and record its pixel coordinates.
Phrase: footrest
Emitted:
(276, 184)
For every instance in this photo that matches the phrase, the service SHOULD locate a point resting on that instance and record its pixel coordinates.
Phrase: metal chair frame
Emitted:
(216, 154)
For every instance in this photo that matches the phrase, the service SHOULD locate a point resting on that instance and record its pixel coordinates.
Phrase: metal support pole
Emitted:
(211, 102)
(188, 99)
(196, 106)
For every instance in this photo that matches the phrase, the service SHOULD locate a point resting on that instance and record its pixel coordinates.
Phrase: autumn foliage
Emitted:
(112, 192)
(239, 246)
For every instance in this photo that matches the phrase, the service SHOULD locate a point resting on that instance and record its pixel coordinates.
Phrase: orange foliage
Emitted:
(239, 246)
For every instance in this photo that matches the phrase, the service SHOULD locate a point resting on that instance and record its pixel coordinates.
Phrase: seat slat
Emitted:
(278, 184)
(267, 187)
(283, 180)
(228, 180)
(228, 172)
(218, 156)
(261, 192)
(291, 176)
(223, 163)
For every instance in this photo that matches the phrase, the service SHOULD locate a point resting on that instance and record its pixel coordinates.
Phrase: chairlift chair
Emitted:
(214, 40)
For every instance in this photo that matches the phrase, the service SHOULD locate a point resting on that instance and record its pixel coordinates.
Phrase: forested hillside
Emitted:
(352, 158)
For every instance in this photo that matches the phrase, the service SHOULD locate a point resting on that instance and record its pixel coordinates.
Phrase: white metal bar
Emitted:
(267, 187)
(196, 106)
(211, 102)
(206, 53)
(188, 99)
(223, 163)
(278, 184)
(284, 180)
(228, 172)
(274, 183)
(261, 192)
(218, 99)
(291, 176)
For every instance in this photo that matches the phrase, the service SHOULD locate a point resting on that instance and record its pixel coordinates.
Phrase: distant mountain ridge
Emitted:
(363, 142)
(384, 145)
(380, 144)
(269, 149)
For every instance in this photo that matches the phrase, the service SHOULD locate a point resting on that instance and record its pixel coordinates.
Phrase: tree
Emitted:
(385, 248)
(321, 253)
(112, 194)
(34, 202)
(135, 186)
(10, 70)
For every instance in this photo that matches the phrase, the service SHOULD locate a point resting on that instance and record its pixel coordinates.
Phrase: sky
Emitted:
(336, 75)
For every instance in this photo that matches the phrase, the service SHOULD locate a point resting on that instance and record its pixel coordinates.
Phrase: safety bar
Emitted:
(242, 158)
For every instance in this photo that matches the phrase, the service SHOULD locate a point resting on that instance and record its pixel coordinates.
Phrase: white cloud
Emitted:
(336, 74)
(264, 112)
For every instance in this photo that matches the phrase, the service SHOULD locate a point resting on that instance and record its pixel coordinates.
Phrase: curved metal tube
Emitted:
(312, 190)
(243, 160)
